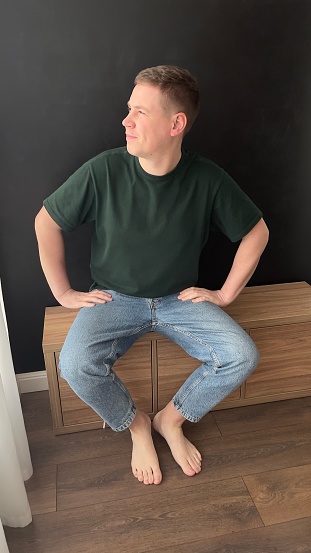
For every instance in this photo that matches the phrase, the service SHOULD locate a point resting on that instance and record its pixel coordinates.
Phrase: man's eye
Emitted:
(143, 113)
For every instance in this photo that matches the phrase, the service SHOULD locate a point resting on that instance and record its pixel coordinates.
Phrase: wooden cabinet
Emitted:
(277, 317)
(285, 361)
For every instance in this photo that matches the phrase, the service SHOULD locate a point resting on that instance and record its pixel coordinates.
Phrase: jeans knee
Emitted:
(71, 367)
(256, 356)
(79, 367)
(249, 356)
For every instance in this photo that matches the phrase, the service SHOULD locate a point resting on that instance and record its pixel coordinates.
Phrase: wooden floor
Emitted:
(252, 496)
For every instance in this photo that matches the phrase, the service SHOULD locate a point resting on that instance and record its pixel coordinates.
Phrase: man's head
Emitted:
(179, 88)
(162, 107)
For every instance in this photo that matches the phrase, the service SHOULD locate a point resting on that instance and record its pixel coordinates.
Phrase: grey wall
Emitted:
(66, 75)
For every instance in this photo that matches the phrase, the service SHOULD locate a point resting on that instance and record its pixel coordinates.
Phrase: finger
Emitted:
(190, 295)
(189, 290)
(100, 293)
(86, 299)
(90, 303)
(200, 299)
(85, 304)
(99, 296)
(192, 292)
(187, 298)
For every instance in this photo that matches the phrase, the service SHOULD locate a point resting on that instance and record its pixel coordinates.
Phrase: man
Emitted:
(153, 205)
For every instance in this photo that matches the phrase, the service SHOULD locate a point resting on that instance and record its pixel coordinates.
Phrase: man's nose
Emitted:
(127, 121)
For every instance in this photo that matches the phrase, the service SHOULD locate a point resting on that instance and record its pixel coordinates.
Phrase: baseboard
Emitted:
(32, 382)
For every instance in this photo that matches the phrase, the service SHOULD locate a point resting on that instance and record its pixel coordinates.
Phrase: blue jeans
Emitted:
(101, 334)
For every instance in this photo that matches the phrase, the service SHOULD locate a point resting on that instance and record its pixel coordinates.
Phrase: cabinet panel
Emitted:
(174, 367)
(285, 360)
(134, 369)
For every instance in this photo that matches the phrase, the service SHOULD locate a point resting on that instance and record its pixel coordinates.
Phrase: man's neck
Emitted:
(160, 166)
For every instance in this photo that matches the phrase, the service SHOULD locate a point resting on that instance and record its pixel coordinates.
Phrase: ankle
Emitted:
(169, 416)
(141, 423)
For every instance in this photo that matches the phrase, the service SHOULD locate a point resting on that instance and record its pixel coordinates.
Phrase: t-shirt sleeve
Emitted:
(73, 203)
(234, 213)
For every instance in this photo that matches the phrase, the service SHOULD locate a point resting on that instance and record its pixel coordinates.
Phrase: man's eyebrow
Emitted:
(138, 107)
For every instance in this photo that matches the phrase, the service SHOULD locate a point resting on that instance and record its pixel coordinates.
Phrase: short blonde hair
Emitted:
(178, 85)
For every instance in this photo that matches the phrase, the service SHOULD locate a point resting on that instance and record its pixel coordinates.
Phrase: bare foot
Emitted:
(145, 463)
(184, 452)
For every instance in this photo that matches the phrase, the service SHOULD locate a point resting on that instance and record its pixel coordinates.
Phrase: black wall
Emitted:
(67, 69)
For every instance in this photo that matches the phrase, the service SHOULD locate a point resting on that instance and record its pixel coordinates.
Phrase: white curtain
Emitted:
(15, 461)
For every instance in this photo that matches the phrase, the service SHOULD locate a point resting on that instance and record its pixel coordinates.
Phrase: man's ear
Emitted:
(179, 123)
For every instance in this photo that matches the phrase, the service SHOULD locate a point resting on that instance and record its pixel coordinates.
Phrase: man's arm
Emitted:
(245, 262)
(52, 257)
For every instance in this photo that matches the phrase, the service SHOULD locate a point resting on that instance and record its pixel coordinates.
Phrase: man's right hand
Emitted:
(72, 299)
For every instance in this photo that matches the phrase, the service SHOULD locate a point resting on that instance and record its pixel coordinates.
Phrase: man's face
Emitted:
(149, 122)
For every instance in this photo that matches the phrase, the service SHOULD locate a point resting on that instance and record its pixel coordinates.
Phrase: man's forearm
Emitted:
(245, 261)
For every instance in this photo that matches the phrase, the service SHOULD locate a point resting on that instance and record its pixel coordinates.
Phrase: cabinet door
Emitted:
(134, 369)
(285, 362)
(174, 367)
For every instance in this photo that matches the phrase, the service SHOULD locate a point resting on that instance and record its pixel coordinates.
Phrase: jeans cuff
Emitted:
(129, 419)
(184, 413)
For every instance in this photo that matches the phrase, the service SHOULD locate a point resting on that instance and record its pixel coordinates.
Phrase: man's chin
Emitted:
(131, 150)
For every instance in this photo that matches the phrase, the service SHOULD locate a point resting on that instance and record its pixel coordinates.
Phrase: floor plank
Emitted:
(282, 495)
(292, 537)
(48, 450)
(36, 410)
(266, 415)
(206, 428)
(254, 452)
(41, 490)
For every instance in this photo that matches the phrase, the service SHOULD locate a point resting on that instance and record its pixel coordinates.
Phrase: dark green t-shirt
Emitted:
(149, 231)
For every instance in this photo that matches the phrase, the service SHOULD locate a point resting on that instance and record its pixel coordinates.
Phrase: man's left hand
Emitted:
(197, 295)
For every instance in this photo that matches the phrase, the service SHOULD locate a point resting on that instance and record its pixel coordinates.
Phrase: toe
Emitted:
(195, 464)
(148, 477)
(198, 456)
(157, 477)
(188, 470)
